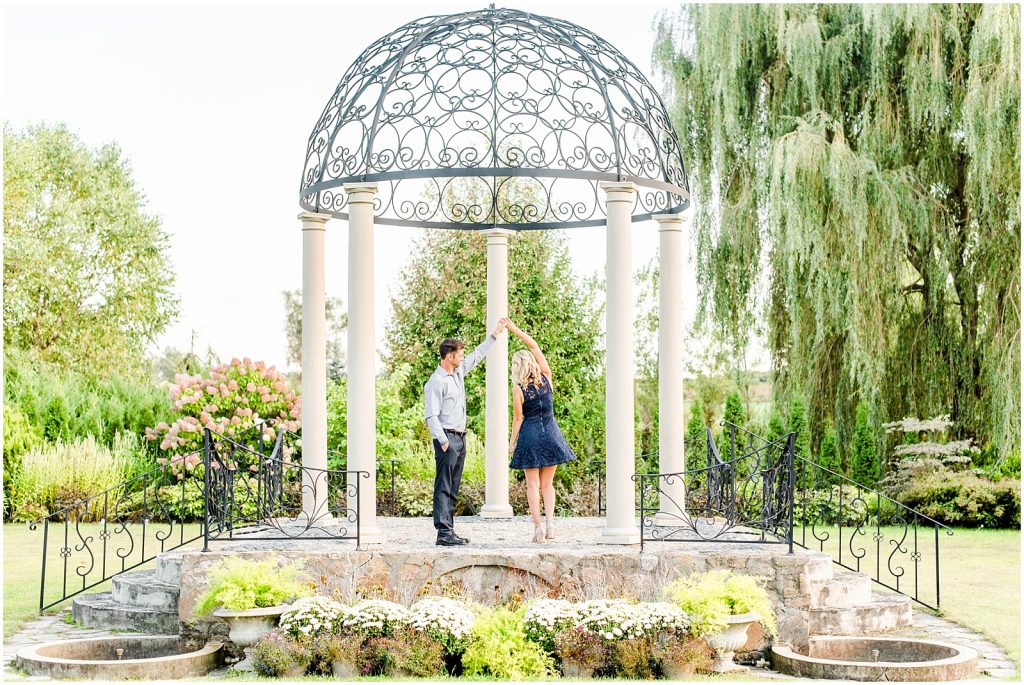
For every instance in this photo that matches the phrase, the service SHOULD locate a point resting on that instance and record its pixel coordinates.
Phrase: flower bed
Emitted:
(436, 635)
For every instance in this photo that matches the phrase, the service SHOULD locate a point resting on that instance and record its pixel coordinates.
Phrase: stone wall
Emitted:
(489, 576)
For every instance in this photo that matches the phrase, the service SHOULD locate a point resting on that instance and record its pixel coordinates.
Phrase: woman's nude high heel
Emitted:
(551, 530)
(538, 534)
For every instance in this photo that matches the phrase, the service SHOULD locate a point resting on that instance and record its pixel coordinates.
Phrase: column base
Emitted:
(371, 537)
(619, 536)
(496, 511)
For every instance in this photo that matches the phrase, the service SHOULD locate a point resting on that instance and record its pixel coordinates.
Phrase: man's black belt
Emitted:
(461, 434)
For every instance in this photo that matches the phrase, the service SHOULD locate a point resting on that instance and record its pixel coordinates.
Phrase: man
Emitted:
(445, 401)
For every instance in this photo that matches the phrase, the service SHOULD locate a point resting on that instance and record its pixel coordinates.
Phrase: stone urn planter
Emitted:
(729, 640)
(248, 626)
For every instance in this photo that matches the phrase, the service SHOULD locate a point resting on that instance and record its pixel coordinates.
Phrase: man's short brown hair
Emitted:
(450, 346)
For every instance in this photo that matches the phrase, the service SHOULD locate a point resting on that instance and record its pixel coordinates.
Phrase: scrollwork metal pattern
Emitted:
(858, 526)
(261, 497)
(743, 499)
(493, 117)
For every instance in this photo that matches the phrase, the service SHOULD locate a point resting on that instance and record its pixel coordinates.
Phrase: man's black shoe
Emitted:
(450, 541)
(465, 541)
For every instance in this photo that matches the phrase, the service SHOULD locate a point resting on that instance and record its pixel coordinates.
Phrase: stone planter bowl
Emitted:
(729, 640)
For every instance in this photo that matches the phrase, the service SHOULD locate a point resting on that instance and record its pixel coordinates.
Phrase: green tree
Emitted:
(856, 174)
(696, 439)
(87, 277)
(798, 425)
(442, 293)
(734, 414)
(864, 462)
(830, 457)
(776, 426)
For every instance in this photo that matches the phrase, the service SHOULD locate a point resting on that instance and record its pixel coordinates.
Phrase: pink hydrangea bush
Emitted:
(232, 400)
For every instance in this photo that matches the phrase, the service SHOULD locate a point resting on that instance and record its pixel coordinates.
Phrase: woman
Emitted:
(537, 446)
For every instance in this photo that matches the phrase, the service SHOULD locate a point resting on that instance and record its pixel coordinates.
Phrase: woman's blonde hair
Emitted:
(525, 369)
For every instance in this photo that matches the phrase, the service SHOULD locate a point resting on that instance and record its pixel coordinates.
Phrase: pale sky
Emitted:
(213, 103)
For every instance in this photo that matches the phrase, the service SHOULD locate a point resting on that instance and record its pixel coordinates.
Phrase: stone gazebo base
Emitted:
(501, 563)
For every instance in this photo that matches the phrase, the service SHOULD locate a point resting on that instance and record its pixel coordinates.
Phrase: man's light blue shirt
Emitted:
(445, 394)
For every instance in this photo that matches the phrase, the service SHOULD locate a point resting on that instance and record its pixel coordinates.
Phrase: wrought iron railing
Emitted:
(250, 495)
(123, 527)
(865, 531)
(228, 490)
(747, 498)
(388, 475)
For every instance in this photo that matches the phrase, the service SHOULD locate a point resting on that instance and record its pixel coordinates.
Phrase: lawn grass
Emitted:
(23, 562)
(980, 572)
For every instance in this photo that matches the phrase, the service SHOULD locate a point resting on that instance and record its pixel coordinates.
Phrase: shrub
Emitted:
(710, 598)
(680, 648)
(415, 497)
(331, 648)
(311, 618)
(865, 467)
(417, 653)
(822, 506)
(20, 436)
(238, 584)
(446, 620)
(545, 618)
(234, 398)
(374, 618)
(500, 649)
(964, 499)
(632, 658)
(276, 654)
(830, 457)
(185, 500)
(620, 620)
(69, 405)
(375, 657)
(582, 647)
(62, 474)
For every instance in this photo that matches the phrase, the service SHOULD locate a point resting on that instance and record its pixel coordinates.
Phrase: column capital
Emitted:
(360, 192)
(619, 191)
(498, 234)
(313, 221)
(670, 222)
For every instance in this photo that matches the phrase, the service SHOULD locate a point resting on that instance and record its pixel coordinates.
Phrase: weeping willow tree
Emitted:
(856, 180)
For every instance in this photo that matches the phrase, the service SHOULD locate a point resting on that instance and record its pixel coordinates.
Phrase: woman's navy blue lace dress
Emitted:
(541, 442)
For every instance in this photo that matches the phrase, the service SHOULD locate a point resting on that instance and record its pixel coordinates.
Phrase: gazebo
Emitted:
(496, 121)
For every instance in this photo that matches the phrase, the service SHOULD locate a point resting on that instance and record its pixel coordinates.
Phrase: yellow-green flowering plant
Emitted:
(710, 598)
(238, 584)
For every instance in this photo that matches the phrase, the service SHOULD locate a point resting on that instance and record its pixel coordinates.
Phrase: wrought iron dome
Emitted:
(494, 117)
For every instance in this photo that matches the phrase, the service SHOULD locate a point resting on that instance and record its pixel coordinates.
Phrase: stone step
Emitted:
(99, 610)
(885, 612)
(845, 590)
(168, 568)
(144, 589)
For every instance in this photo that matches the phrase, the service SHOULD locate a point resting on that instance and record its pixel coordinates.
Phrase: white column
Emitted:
(314, 367)
(362, 398)
(497, 504)
(620, 522)
(671, 455)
